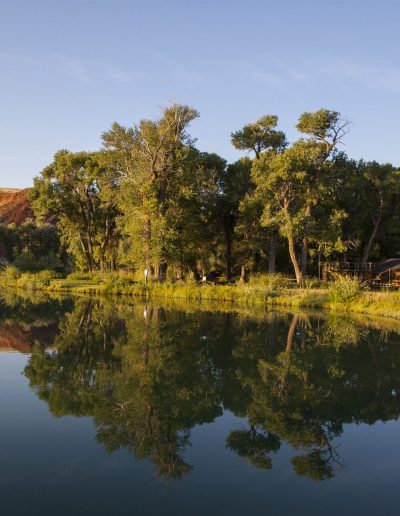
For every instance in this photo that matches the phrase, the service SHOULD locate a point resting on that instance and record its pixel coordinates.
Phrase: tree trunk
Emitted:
(147, 239)
(272, 253)
(162, 272)
(102, 261)
(293, 257)
(304, 245)
(90, 251)
(243, 274)
(228, 255)
(368, 244)
(86, 253)
(304, 256)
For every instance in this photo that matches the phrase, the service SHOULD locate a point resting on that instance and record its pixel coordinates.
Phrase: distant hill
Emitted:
(15, 207)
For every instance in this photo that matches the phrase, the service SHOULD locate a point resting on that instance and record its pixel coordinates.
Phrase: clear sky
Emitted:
(69, 68)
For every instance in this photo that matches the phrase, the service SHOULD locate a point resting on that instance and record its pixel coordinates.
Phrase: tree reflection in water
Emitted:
(147, 376)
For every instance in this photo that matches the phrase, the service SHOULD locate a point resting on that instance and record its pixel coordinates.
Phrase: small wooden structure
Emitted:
(382, 274)
(331, 269)
(387, 273)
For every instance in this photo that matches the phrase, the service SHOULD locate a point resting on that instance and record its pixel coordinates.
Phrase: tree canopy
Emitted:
(150, 199)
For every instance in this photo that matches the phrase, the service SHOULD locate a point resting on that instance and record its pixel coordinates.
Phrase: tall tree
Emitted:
(149, 158)
(70, 189)
(283, 183)
(325, 130)
(259, 137)
(219, 197)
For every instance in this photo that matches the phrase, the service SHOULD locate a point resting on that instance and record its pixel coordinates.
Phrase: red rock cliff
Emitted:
(15, 207)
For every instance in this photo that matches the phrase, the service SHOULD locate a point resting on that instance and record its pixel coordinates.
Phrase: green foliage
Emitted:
(32, 247)
(259, 136)
(270, 282)
(9, 274)
(28, 263)
(154, 163)
(150, 200)
(324, 125)
(345, 288)
(12, 276)
(77, 189)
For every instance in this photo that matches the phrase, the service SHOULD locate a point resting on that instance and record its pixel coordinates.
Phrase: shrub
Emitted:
(79, 276)
(117, 284)
(46, 276)
(26, 262)
(345, 288)
(50, 262)
(9, 274)
(270, 282)
(311, 283)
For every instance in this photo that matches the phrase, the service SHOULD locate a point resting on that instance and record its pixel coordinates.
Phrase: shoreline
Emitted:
(383, 304)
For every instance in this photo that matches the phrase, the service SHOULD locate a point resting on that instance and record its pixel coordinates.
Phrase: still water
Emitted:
(127, 409)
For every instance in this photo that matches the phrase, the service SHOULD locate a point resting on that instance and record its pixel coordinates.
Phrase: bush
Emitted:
(79, 276)
(46, 276)
(95, 277)
(117, 284)
(26, 262)
(345, 288)
(9, 274)
(270, 282)
(36, 280)
(191, 281)
(50, 262)
(311, 283)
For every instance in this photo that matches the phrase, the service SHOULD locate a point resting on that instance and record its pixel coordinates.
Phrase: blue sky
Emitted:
(68, 69)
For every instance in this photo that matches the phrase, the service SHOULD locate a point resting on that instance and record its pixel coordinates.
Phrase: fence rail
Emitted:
(348, 266)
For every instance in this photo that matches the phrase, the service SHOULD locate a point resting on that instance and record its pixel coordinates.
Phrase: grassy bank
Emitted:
(343, 295)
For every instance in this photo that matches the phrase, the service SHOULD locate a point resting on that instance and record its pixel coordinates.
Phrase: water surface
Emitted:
(114, 409)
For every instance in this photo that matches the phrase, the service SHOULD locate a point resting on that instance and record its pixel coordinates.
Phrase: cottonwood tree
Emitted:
(218, 197)
(75, 190)
(294, 184)
(258, 137)
(325, 130)
(369, 193)
(378, 188)
(149, 159)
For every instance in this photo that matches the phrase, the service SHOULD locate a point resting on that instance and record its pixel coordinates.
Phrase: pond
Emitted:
(111, 408)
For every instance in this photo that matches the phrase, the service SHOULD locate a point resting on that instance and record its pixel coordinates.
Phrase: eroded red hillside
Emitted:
(15, 206)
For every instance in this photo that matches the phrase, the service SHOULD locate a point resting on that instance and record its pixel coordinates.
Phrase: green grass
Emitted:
(340, 296)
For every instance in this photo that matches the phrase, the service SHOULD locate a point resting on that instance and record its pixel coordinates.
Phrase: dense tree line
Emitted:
(32, 247)
(149, 199)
